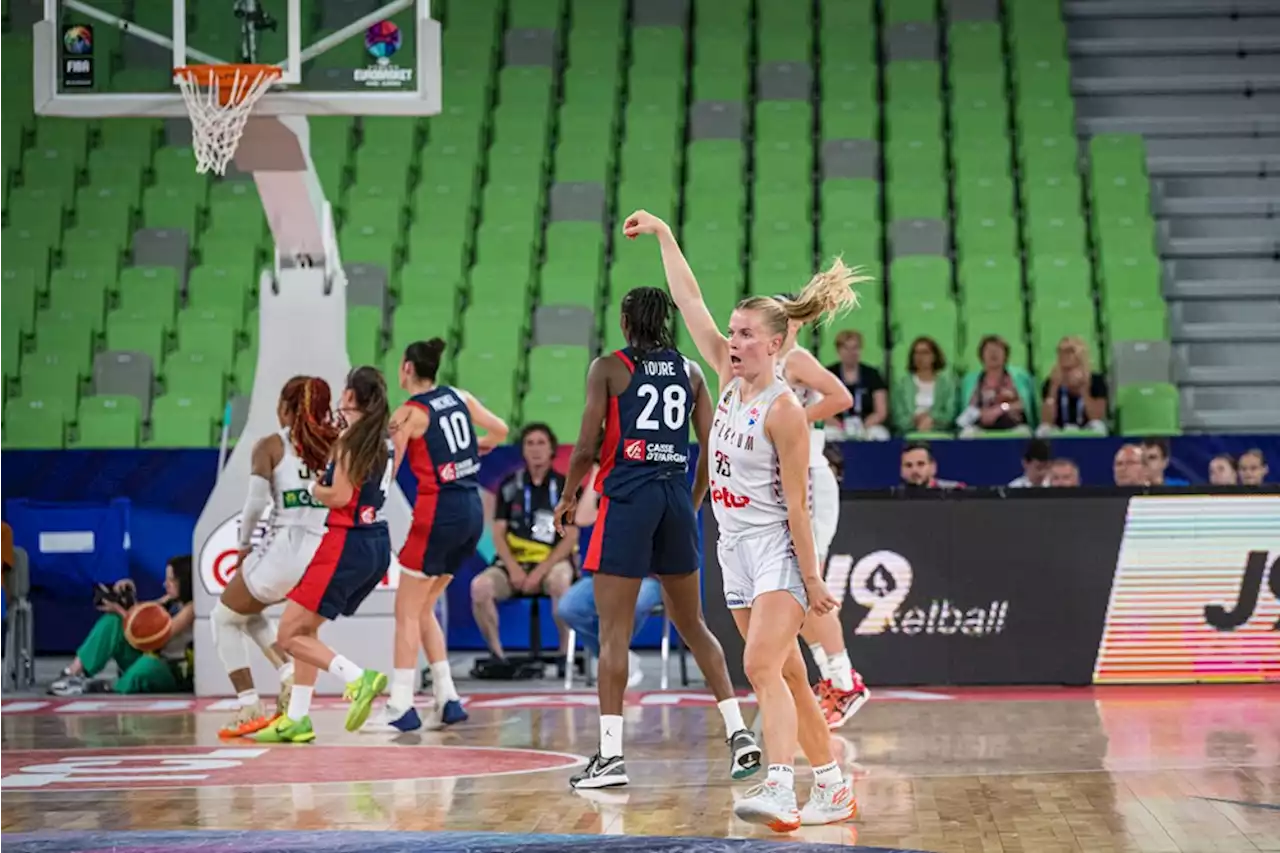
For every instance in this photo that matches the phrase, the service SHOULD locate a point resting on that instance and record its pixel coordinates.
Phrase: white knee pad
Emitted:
(261, 630)
(229, 639)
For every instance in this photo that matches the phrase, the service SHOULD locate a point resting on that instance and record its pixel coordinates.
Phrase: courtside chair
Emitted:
(665, 680)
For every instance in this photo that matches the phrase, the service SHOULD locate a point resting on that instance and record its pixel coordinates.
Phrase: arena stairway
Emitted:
(1199, 83)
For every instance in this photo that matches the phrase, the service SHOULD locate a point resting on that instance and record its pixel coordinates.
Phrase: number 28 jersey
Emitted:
(646, 434)
(445, 459)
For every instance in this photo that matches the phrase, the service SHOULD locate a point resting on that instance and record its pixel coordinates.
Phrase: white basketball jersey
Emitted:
(746, 481)
(817, 438)
(293, 505)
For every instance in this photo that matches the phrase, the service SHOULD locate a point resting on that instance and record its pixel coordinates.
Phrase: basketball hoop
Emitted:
(219, 99)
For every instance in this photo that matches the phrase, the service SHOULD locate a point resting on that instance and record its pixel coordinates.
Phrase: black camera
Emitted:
(102, 594)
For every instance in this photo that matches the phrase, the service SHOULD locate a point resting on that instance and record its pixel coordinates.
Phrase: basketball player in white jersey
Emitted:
(841, 691)
(283, 464)
(759, 471)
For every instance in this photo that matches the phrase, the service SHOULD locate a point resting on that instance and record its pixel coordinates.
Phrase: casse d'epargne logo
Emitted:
(881, 582)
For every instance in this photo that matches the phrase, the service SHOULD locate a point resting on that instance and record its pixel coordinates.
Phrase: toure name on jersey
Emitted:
(658, 368)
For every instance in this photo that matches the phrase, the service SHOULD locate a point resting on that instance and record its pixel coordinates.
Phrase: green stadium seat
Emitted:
(1060, 277)
(364, 334)
(193, 374)
(69, 334)
(1148, 409)
(182, 421)
(918, 279)
(32, 423)
(209, 333)
(152, 290)
(220, 287)
(52, 378)
(108, 421)
(556, 393)
(79, 289)
(137, 331)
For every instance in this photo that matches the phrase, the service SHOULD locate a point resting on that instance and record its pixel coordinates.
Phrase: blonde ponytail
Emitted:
(827, 295)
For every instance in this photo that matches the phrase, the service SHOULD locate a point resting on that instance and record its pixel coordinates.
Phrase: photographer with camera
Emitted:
(165, 671)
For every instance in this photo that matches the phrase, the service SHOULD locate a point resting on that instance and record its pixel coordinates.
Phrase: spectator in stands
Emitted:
(924, 398)
(577, 607)
(165, 671)
(1155, 455)
(919, 469)
(1075, 397)
(1253, 468)
(1223, 471)
(867, 416)
(1128, 468)
(996, 396)
(1035, 465)
(532, 558)
(1064, 474)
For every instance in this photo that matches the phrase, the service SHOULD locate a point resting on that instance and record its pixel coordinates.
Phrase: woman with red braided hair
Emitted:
(283, 465)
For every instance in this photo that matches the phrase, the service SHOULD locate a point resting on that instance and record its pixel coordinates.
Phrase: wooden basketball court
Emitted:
(1187, 769)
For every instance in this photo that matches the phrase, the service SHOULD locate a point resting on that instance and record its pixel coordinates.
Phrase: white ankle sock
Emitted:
(828, 774)
(442, 682)
(345, 669)
(300, 702)
(610, 735)
(732, 714)
(248, 698)
(784, 775)
(402, 689)
(820, 658)
(842, 671)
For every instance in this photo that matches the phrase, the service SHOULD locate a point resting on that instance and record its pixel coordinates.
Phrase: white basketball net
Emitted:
(216, 127)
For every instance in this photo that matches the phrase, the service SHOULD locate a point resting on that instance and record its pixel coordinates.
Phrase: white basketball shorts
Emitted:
(824, 506)
(274, 569)
(757, 563)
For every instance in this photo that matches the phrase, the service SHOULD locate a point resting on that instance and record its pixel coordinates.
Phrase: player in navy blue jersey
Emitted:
(352, 558)
(643, 398)
(435, 430)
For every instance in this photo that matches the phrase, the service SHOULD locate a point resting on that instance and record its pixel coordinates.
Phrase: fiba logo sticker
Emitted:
(77, 57)
(218, 557)
(382, 41)
(881, 582)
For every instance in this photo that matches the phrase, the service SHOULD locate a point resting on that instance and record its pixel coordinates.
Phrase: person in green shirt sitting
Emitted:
(924, 398)
(997, 397)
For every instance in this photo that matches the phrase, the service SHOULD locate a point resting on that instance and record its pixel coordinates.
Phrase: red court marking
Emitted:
(256, 765)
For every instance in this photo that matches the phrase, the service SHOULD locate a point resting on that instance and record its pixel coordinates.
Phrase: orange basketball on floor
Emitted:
(148, 627)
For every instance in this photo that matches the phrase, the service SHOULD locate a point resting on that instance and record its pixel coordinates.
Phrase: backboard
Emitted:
(106, 58)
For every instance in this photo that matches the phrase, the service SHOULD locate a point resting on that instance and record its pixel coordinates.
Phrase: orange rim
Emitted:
(205, 76)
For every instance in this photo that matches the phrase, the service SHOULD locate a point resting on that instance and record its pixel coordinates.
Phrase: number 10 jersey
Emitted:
(445, 459)
(646, 433)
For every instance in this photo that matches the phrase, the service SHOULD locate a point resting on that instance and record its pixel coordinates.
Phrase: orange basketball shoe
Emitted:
(839, 705)
(250, 719)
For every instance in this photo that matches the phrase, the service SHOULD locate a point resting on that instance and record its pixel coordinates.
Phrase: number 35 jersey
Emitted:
(445, 459)
(646, 432)
(746, 479)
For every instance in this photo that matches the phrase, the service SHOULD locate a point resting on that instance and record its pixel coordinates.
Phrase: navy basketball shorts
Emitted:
(651, 531)
(443, 535)
(348, 565)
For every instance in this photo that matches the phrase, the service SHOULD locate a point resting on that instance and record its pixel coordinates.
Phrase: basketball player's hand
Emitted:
(642, 222)
(565, 512)
(821, 601)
